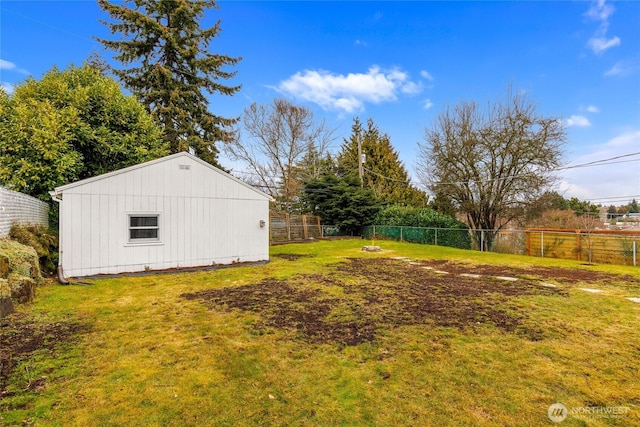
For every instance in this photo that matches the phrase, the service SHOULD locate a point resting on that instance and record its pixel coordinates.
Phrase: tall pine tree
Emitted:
(384, 173)
(168, 66)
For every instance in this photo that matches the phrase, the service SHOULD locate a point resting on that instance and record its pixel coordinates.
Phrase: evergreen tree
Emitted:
(341, 202)
(170, 69)
(633, 206)
(384, 173)
(315, 163)
(443, 204)
(582, 207)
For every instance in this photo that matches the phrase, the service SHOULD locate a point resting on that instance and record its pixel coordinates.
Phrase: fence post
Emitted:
(305, 232)
(287, 224)
(542, 243)
(634, 253)
(401, 234)
(436, 238)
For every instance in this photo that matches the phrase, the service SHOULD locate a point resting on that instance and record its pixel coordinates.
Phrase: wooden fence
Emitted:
(287, 227)
(604, 246)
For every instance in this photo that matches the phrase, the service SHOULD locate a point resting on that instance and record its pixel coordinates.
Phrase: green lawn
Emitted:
(326, 334)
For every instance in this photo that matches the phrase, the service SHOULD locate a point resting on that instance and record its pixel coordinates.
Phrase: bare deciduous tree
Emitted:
(284, 146)
(492, 162)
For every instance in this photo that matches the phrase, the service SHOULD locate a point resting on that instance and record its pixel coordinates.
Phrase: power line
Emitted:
(618, 197)
(597, 162)
(408, 182)
(582, 165)
(62, 30)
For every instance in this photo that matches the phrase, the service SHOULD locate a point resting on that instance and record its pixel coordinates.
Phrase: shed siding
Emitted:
(206, 218)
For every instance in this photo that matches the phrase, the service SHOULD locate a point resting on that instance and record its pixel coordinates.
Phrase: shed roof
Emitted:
(60, 190)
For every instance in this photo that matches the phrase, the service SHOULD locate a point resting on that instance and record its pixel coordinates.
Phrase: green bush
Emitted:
(43, 240)
(410, 216)
(420, 225)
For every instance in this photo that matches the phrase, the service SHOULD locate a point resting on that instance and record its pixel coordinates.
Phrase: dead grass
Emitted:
(326, 334)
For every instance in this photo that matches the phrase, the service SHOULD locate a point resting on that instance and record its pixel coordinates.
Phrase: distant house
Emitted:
(173, 212)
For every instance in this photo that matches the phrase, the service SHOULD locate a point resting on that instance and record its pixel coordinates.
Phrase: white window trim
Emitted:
(142, 242)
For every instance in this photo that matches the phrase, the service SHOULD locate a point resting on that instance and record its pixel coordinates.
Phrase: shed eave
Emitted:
(56, 194)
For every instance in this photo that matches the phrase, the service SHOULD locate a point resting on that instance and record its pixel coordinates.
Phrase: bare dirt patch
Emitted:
(355, 300)
(563, 275)
(21, 336)
(292, 257)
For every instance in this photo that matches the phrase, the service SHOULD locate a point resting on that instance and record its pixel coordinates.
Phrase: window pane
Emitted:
(143, 221)
(143, 233)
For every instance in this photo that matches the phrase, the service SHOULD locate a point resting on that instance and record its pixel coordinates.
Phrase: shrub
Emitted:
(43, 240)
(424, 221)
(409, 216)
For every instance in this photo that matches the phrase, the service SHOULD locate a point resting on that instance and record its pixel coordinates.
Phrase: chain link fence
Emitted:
(455, 238)
(592, 246)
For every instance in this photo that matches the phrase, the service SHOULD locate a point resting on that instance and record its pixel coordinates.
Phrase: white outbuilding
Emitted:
(174, 212)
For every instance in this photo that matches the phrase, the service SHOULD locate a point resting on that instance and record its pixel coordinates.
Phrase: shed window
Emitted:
(143, 228)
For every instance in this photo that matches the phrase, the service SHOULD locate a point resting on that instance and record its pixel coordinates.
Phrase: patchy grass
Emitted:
(326, 334)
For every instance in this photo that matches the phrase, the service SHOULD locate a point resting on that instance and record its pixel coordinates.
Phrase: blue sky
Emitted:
(401, 63)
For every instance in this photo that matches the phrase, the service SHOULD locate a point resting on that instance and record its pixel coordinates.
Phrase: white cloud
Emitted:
(630, 140)
(427, 104)
(623, 68)
(600, 44)
(578, 121)
(7, 87)
(618, 178)
(411, 88)
(616, 70)
(601, 11)
(10, 66)
(349, 92)
(425, 74)
(593, 109)
(6, 65)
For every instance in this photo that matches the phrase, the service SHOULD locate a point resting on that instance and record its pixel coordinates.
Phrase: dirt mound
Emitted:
(353, 300)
